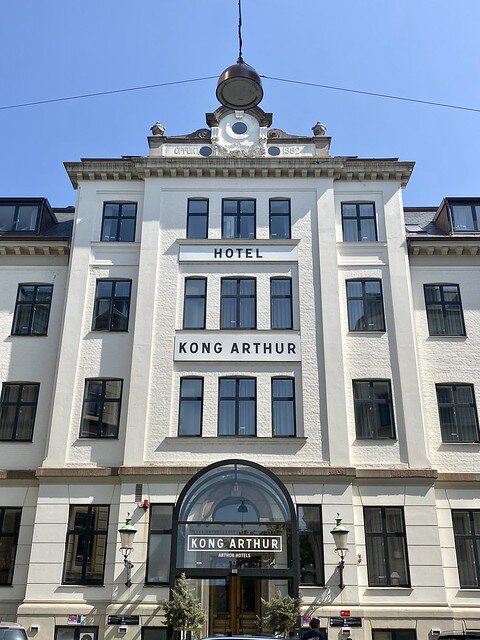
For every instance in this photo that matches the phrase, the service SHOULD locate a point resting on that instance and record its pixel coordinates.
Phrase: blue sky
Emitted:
(425, 49)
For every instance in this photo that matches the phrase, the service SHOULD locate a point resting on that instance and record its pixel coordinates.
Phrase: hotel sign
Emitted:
(238, 253)
(234, 543)
(245, 347)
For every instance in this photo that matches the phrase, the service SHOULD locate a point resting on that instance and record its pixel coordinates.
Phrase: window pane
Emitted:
(195, 286)
(309, 518)
(7, 559)
(27, 218)
(122, 288)
(393, 520)
(453, 321)
(161, 516)
(74, 558)
(373, 520)
(11, 520)
(110, 419)
(349, 210)
(247, 206)
(21, 322)
(247, 227)
(463, 218)
(226, 421)
(281, 286)
(246, 388)
(120, 313)
(26, 416)
(282, 388)
(110, 226)
(366, 210)
(311, 559)
(354, 288)
(230, 206)
(467, 569)
(247, 313)
(368, 230)
(10, 392)
(451, 293)
(7, 213)
(127, 230)
(228, 313)
(364, 420)
(283, 418)
(197, 206)
(280, 227)
(228, 227)
(191, 387)
(461, 522)
(432, 293)
(247, 287)
(40, 319)
(104, 289)
(246, 418)
(350, 230)
(377, 570)
(159, 557)
(129, 210)
(95, 559)
(7, 422)
(190, 418)
(227, 387)
(111, 210)
(197, 227)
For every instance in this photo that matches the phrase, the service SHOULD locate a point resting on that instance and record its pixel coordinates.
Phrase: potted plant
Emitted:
(183, 611)
(282, 613)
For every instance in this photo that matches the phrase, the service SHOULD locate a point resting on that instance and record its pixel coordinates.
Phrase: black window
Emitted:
(358, 222)
(238, 308)
(195, 303)
(9, 528)
(86, 544)
(32, 310)
(154, 633)
(191, 407)
(197, 218)
(283, 406)
(444, 310)
(466, 216)
(237, 411)
(311, 544)
(18, 406)
(112, 305)
(79, 632)
(466, 528)
(118, 224)
(159, 544)
(280, 221)
(365, 305)
(458, 413)
(373, 409)
(238, 218)
(281, 315)
(394, 634)
(387, 560)
(101, 408)
(19, 218)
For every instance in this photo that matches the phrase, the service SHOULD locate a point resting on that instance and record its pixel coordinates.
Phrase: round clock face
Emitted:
(239, 93)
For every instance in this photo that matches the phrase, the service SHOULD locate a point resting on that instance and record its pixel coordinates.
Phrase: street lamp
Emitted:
(127, 533)
(340, 535)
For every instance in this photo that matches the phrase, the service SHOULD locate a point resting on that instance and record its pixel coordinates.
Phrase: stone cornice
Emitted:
(444, 246)
(34, 246)
(339, 168)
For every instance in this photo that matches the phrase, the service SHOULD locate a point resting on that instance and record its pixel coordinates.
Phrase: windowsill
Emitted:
(456, 444)
(16, 441)
(239, 241)
(393, 588)
(97, 438)
(465, 589)
(266, 331)
(28, 335)
(81, 584)
(94, 331)
(238, 439)
(367, 332)
(447, 337)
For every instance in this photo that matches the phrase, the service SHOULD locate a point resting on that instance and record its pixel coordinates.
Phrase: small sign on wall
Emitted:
(74, 618)
(232, 347)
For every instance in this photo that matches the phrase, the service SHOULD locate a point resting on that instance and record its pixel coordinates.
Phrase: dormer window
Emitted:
(19, 218)
(465, 216)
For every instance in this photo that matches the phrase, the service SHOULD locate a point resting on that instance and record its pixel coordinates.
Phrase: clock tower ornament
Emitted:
(239, 86)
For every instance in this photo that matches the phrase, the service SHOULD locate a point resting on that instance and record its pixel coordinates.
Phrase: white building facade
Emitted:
(242, 337)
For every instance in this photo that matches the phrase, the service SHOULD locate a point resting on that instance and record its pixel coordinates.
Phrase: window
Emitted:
(373, 409)
(237, 411)
(101, 408)
(281, 316)
(466, 529)
(466, 216)
(154, 633)
(32, 310)
(76, 633)
(86, 544)
(18, 218)
(159, 544)
(18, 405)
(9, 529)
(191, 407)
(238, 218)
(283, 406)
(458, 413)
(387, 561)
(444, 310)
(280, 223)
(358, 222)
(311, 544)
(238, 308)
(365, 305)
(112, 305)
(118, 224)
(195, 303)
(394, 634)
(197, 218)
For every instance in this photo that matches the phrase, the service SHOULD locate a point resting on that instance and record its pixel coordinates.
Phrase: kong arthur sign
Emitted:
(233, 347)
(235, 543)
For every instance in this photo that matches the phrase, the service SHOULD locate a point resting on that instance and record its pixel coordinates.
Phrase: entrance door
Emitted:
(235, 606)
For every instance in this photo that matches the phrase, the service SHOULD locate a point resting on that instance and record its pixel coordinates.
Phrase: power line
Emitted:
(372, 93)
(105, 93)
(287, 80)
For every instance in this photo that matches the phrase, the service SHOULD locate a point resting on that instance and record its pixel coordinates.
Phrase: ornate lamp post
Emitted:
(127, 533)
(340, 534)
